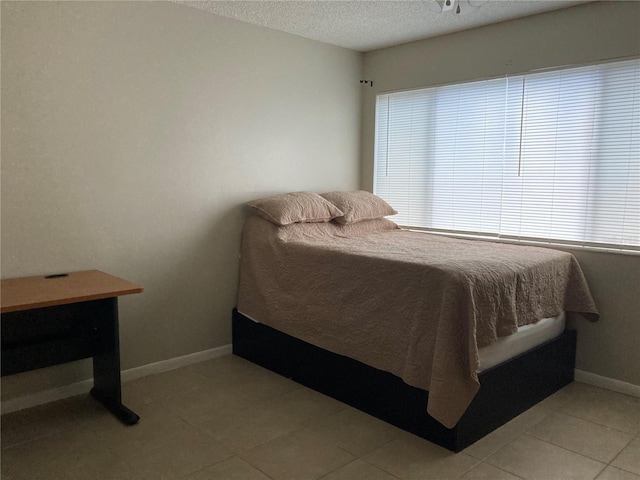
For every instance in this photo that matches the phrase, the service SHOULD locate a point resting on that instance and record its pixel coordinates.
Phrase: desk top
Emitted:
(27, 293)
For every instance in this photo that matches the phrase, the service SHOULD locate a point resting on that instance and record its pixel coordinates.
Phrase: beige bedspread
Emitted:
(413, 304)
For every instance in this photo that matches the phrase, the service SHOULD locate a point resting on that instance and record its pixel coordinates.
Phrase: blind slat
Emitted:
(552, 155)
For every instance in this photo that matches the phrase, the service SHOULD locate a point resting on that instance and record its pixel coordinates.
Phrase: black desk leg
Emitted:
(106, 361)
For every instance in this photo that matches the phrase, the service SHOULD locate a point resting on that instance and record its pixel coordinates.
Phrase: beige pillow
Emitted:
(295, 207)
(359, 206)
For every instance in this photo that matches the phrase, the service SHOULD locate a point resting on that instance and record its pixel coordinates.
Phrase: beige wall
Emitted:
(133, 132)
(582, 34)
(131, 135)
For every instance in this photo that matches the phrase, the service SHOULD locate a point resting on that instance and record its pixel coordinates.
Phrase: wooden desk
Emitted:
(47, 320)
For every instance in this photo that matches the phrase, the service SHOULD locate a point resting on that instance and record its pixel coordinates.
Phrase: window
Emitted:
(551, 156)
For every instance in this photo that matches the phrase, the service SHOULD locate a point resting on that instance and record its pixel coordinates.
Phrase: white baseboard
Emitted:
(173, 363)
(607, 383)
(84, 386)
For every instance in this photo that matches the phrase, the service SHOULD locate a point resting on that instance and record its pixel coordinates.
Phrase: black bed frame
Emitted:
(506, 390)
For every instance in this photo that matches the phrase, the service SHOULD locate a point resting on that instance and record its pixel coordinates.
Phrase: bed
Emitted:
(394, 322)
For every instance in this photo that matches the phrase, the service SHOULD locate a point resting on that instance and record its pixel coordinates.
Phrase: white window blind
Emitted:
(551, 156)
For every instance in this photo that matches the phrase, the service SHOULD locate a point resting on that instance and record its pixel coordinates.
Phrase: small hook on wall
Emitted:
(370, 82)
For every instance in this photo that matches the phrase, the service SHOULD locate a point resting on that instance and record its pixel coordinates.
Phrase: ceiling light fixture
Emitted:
(460, 7)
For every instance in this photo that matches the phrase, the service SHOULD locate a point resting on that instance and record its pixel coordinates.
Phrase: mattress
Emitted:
(506, 348)
(526, 338)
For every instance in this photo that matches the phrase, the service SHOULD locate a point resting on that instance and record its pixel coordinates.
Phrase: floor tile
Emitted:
(409, 457)
(586, 438)
(205, 404)
(173, 457)
(533, 459)
(134, 397)
(42, 420)
(261, 385)
(611, 409)
(223, 370)
(227, 418)
(299, 455)
(613, 473)
(629, 458)
(168, 384)
(248, 429)
(358, 470)
(108, 467)
(563, 396)
(353, 430)
(232, 469)
(484, 471)
(91, 412)
(53, 454)
(156, 422)
(508, 432)
(304, 404)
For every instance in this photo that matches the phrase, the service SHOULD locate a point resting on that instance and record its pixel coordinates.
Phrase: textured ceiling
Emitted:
(370, 24)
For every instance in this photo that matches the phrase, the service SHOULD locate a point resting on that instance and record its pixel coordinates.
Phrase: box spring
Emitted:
(506, 390)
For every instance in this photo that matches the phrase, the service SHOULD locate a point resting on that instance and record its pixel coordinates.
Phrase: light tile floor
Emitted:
(229, 419)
